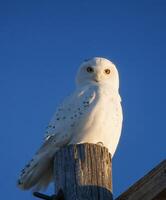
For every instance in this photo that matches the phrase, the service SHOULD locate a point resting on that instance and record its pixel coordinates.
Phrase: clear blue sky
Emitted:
(41, 45)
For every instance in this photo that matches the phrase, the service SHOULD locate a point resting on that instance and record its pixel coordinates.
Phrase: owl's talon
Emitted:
(100, 143)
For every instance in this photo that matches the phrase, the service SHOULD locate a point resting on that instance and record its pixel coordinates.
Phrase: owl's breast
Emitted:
(101, 123)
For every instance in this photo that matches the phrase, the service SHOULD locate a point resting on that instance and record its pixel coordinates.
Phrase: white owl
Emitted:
(91, 114)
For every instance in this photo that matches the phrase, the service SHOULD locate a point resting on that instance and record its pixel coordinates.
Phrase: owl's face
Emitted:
(98, 71)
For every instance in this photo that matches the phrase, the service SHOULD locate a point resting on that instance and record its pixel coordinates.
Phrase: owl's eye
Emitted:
(90, 69)
(107, 71)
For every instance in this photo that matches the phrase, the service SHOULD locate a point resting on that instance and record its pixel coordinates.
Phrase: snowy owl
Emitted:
(91, 114)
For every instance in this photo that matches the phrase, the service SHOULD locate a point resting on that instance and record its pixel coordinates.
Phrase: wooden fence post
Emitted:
(83, 172)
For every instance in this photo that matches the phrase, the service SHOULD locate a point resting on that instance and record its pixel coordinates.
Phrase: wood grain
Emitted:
(84, 172)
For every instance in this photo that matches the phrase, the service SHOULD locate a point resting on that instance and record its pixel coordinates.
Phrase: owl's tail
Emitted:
(38, 173)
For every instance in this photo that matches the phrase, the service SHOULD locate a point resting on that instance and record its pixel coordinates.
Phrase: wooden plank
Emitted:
(84, 172)
(151, 187)
(161, 196)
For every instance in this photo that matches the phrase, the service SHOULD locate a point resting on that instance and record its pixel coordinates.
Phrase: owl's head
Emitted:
(98, 71)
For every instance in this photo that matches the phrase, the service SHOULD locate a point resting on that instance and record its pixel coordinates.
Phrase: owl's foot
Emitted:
(59, 196)
(100, 143)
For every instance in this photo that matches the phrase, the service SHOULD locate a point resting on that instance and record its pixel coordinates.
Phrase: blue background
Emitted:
(42, 44)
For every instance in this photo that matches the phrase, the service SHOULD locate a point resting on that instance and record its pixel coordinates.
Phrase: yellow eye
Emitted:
(90, 69)
(107, 71)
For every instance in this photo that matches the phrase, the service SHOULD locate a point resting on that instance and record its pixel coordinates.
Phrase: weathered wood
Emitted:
(84, 172)
(151, 187)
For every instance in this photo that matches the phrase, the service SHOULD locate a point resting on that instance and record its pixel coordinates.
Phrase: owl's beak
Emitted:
(97, 78)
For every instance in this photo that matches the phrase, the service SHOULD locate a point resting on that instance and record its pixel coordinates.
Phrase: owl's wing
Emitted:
(69, 113)
(38, 172)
